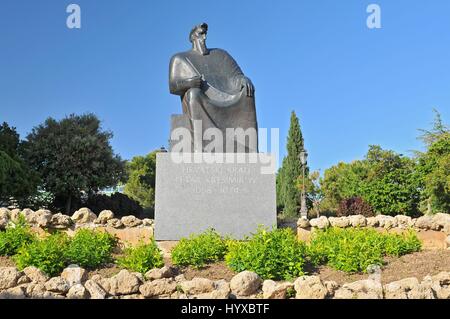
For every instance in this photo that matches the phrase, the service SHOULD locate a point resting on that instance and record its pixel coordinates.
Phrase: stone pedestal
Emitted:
(233, 198)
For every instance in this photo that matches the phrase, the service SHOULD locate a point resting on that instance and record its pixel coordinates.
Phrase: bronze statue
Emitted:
(213, 90)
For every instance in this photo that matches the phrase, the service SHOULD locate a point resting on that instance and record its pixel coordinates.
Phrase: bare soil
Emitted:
(419, 265)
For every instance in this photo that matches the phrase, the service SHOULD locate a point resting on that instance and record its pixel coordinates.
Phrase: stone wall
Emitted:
(127, 229)
(164, 283)
(433, 231)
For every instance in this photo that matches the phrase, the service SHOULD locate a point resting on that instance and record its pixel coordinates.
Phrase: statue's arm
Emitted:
(238, 77)
(180, 77)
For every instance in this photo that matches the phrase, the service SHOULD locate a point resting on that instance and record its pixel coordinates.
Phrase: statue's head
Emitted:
(198, 32)
(198, 38)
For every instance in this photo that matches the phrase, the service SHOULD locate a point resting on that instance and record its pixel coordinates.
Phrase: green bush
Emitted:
(90, 248)
(353, 250)
(141, 258)
(197, 250)
(14, 237)
(275, 254)
(47, 254)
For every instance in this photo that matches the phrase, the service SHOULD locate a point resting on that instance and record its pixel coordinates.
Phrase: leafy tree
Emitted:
(384, 179)
(287, 191)
(17, 181)
(141, 180)
(73, 157)
(434, 167)
(342, 181)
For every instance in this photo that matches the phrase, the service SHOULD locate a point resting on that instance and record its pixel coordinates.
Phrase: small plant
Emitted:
(46, 254)
(15, 236)
(275, 254)
(353, 250)
(141, 258)
(198, 250)
(90, 248)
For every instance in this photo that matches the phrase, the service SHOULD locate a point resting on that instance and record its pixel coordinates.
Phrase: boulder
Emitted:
(424, 222)
(23, 280)
(426, 288)
(362, 289)
(147, 222)
(310, 287)
(35, 274)
(74, 275)
(303, 223)
(408, 288)
(197, 286)
(41, 218)
(439, 221)
(245, 283)
(60, 221)
(58, 285)
(372, 222)
(341, 222)
(83, 216)
(36, 290)
(104, 216)
(403, 221)
(77, 292)
(274, 290)
(95, 290)
(9, 277)
(14, 214)
(441, 285)
(165, 286)
(3, 223)
(447, 241)
(357, 220)
(386, 221)
(158, 273)
(13, 293)
(115, 223)
(131, 221)
(27, 213)
(331, 286)
(4, 213)
(124, 283)
(321, 222)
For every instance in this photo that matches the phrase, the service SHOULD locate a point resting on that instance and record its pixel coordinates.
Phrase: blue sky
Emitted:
(350, 86)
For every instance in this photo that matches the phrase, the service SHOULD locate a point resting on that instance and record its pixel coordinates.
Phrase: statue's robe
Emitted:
(221, 102)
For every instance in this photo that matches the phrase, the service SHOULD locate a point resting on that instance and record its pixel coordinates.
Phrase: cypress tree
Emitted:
(291, 170)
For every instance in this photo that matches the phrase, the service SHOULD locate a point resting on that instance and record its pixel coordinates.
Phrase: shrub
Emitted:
(275, 254)
(14, 237)
(46, 254)
(141, 258)
(197, 250)
(354, 206)
(90, 248)
(353, 250)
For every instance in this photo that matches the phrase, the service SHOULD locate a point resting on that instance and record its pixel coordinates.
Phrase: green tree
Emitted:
(392, 186)
(342, 181)
(434, 167)
(386, 180)
(141, 180)
(73, 157)
(288, 194)
(17, 181)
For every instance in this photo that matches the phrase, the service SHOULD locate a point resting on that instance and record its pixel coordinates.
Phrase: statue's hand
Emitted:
(194, 82)
(245, 82)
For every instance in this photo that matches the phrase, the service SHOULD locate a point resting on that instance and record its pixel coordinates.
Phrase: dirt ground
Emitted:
(419, 265)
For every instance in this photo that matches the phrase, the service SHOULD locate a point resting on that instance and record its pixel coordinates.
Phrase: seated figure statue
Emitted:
(215, 94)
